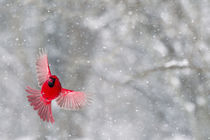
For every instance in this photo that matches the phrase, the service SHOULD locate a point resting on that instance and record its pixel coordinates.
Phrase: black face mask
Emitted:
(51, 83)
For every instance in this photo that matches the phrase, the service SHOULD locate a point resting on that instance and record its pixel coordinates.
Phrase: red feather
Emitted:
(39, 103)
(42, 67)
(70, 99)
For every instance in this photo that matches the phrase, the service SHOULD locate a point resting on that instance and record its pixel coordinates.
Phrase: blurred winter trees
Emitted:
(147, 64)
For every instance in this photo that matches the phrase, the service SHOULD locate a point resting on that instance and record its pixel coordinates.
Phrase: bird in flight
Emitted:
(51, 89)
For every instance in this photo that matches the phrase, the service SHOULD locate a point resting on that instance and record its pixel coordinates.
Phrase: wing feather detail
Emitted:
(42, 67)
(72, 100)
(40, 104)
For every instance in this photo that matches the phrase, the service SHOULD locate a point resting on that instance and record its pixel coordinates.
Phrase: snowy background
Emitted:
(147, 63)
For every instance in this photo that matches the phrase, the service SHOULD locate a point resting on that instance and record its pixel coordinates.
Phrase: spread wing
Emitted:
(42, 67)
(72, 100)
(40, 104)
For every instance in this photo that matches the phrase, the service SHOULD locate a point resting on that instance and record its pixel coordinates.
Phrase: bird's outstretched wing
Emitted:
(40, 104)
(42, 67)
(72, 100)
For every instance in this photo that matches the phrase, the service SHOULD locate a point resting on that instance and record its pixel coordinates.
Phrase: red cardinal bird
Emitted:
(51, 89)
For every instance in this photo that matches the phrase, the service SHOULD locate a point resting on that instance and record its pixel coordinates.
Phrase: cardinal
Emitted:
(51, 89)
